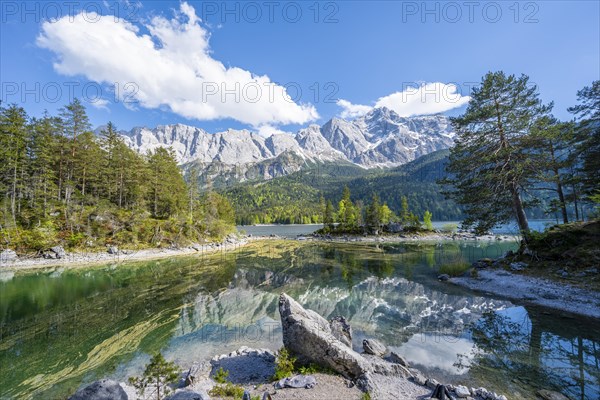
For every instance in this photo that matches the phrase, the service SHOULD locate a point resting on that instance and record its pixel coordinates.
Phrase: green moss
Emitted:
(454, 268)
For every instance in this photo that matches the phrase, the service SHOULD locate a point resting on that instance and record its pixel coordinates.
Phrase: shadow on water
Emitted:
(61, 328)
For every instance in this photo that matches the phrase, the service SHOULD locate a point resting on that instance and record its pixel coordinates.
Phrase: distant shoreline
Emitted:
(77, 260)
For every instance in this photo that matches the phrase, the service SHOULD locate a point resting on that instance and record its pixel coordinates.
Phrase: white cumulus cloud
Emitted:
(170, 66)
(425, 99)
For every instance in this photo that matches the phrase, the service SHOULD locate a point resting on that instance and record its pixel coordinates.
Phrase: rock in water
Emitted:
(341, 330)
(104, 389)
(309, 336)
(297, 381)
(443, 277)
(374, 347)
(551, 395)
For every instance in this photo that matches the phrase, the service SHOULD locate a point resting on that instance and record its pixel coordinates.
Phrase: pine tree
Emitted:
(159, 373)
(373, 217)
(427, 220)
(167, 187)
(41, 161)
(550, 144)
(13, 151)
(328, 215)
(404, 211)
(489, 164)
(588, 129)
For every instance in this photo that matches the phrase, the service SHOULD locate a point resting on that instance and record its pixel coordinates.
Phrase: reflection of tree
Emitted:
(529, 353)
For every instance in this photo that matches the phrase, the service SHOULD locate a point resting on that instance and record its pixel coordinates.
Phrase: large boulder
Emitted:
(104, 389)
(309, 336)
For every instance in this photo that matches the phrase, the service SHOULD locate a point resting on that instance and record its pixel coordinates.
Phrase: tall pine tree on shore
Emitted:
(488, 165)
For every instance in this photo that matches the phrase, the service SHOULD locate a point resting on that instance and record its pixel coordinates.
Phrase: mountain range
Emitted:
(380, 138)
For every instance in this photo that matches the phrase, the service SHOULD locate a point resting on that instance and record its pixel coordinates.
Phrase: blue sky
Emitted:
(336, 58)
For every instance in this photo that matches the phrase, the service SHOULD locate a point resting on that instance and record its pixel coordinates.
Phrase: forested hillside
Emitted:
(60, 184)
(296, 198)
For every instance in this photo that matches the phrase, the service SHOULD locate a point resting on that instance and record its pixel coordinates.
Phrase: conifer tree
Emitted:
(489, 164)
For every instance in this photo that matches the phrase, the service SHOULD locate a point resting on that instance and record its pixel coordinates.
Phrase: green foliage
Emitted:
(427, 220)
(227, 390)
(490, 162)
(296, 198)
(588, 135)
(449, 227)
(365, 396)
(285, 365)
(221, 376)
(62, 185)
(157, 376)
(454, 268)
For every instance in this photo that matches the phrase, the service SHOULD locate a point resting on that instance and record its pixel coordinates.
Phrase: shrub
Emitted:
(449, 227)
(227, 390)
(285, 365)
(221, 375)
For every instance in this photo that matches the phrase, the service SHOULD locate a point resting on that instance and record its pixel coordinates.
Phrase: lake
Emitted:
(294, 230)
(61, 328)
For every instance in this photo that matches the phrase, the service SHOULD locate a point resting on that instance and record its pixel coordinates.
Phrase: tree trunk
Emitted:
(520, 212)
(561, 196)
(561, 199)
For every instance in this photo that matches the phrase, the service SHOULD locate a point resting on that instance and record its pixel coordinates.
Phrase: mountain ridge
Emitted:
(379, 139)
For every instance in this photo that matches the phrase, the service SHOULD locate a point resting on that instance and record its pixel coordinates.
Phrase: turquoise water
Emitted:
(61, 328)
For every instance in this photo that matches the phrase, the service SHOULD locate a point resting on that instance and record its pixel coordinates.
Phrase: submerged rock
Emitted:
(443, 277)
(105, 389)
(246, 365)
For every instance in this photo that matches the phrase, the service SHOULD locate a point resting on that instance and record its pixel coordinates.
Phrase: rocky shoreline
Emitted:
(374, 374)
(491, 278)
(58, 257)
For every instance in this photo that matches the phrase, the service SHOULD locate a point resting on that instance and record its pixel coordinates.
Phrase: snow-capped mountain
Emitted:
(381, 138)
